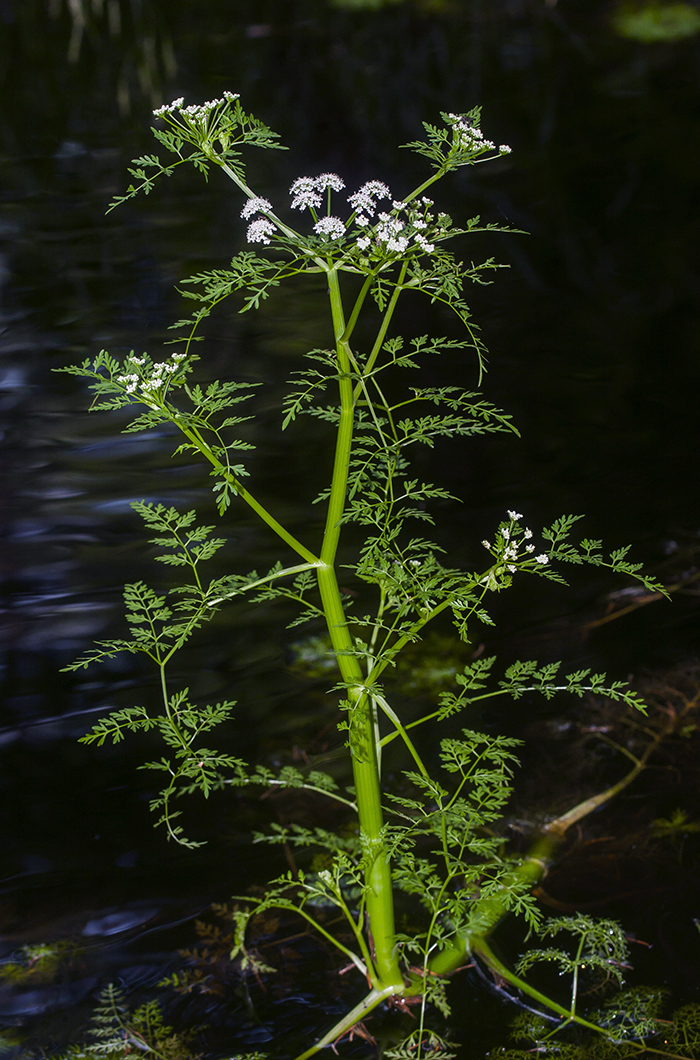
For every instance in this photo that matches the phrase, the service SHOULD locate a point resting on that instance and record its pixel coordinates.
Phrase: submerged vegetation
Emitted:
(412, 874)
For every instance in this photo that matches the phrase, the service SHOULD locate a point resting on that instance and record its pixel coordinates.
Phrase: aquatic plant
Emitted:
(433, 838)
(38, 962)
(115, 1032)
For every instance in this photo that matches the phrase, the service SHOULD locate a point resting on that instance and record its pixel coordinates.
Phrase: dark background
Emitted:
(593, 334)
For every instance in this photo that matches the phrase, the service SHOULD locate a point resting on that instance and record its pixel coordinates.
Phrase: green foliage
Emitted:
(139, 381)
(443, 846)
(194, 133)
(633, 1022)
(158, 630)
(422, 1043)
(600, 949)
(460, 143)
(115, 1032)
(674, 826)
(435, 838)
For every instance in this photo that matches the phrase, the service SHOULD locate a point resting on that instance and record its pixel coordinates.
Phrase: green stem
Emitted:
(299, 568)
(574, 980)
(400, 731)
(370, 1001)
(384, 327)
(425, 185)
(363, 743)
(246, 496)
(481, 947)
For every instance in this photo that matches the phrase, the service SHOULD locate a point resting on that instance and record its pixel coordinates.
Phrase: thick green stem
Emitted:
(363, 744)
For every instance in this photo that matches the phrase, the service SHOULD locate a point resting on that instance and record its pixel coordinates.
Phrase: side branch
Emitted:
(533, 868)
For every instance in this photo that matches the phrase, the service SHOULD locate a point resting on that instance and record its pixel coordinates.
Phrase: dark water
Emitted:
(593, 332)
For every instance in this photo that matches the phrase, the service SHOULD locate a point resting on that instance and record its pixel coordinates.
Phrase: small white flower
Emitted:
(255, 205)
(331, 227)
(424, 244)
(504, 149)
(361, 220)
(194, 111)
(387, 232)
(515, 515)
(486, 544)
(511, 568)
(136, 360)
(167, 108)
(467, 136)
(228, 97)
(527, 533)
(364, 242)
(529, 548)
(364, 198)
(505, 532)
(330, 180)
(305, 193)
(259, 230)
(543, 558)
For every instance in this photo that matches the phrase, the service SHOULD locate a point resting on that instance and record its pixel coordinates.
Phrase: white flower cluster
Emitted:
(260, 229)
(308, 191)
(388, 232)
(469, 137)
(363, 200)
(509, 540)
(156, 378)
(195, 111)
(330, 227)
(407, 226)
(160, 372)
(255, 205)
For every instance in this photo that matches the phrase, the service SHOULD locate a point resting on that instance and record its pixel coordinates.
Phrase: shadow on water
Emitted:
(593, 335)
